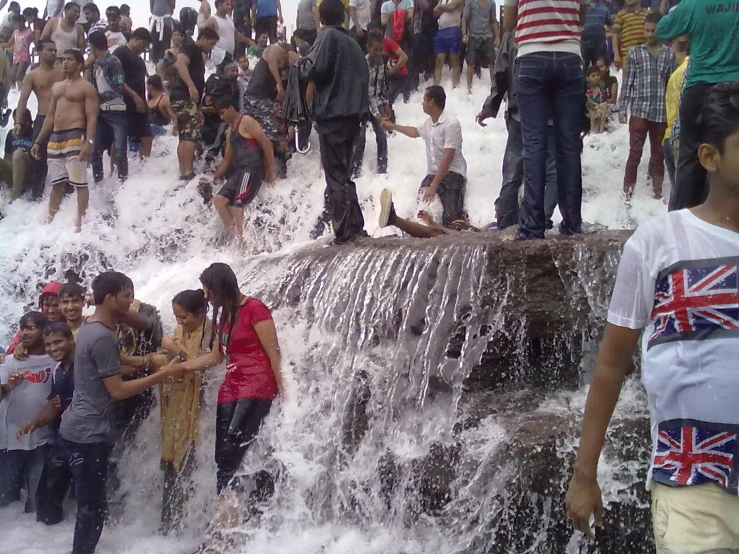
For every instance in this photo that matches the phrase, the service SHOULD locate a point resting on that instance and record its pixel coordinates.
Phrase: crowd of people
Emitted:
(342, 71)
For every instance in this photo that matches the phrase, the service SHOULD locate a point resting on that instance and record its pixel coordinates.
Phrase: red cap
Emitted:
(52, 288)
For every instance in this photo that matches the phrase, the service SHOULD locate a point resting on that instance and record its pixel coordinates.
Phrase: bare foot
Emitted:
(424, 216)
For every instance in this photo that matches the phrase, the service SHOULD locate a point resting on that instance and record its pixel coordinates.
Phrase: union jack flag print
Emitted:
(696, 303)
(693, 456)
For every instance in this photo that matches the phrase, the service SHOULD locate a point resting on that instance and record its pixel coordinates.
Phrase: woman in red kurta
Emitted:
(244, 334)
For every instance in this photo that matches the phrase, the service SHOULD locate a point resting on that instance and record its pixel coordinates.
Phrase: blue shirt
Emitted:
(266, 8)
(390, 6)
(596, 19)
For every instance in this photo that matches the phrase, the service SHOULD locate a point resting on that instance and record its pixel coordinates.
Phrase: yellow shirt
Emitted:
(630, 26)
(672, 96)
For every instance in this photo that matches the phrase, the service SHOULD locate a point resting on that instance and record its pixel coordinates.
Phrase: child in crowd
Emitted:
(15, 167)
(596, 103)
(21, 41)
(244, 72)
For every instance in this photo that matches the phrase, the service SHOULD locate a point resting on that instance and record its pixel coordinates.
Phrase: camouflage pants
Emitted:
(188, 121)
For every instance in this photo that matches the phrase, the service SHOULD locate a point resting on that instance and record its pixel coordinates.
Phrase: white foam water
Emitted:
(328, 498)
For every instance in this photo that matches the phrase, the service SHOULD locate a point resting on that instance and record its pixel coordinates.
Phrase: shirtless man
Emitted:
(72, 115)
(249, 154)
(65, 31)
(39, 81)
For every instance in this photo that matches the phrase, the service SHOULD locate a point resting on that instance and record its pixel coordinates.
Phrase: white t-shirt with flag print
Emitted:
(678, 281)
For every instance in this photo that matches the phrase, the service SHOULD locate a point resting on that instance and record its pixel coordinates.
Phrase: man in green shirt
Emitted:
(713, 29)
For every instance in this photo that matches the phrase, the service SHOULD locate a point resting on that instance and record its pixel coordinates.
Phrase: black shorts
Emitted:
(266, 25)
(479, 49)
(241, 188)
(138, 125)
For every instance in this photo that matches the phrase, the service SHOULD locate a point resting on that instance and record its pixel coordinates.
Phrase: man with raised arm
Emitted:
(39, 82)
(71, 122)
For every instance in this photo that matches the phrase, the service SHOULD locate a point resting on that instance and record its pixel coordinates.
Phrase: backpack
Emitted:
(397, 25)
(188, 19)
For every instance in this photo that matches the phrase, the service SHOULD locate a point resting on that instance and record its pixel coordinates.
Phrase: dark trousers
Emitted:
(112, 131)
(451, 194)
(550, 86)
(669, 153)
(337, 138)
(39, 168)
(513, 176)
(362, 41)
(266, 25)
(21, 468)
(237, 425)
(591, 51)
(160, 46)
(242, 23)
(398, 84)
(639, 129)
(691, 185)
(56, 479)
(381, 147)
(89, 466)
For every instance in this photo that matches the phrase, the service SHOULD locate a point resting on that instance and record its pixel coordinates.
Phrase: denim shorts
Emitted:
(447, 41)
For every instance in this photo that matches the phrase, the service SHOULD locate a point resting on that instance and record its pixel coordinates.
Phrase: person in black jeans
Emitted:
(338, 69)
(87, 429)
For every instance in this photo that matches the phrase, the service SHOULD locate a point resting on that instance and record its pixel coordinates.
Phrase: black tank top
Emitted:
(262, 84)
(247, 154)
(156, 117)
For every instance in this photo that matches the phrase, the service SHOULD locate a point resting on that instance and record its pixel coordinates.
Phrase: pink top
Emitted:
(21, 41)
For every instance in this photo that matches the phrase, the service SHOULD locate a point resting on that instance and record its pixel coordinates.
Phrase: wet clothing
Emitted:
(63, 155)
(188, 122)
(64, 40)
(226, 39)
(197, 73)
(134, 71)
(248, 165)
(39, 167)
(337, 66)
(249, 372)
(156, 117)
(451, 194)
(262, 83)
(237, 425)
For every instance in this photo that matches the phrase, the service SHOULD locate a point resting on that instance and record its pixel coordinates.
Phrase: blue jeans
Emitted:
(112, 131)
(89, 466)
(513, 177)
(551, 86)
(21, 467)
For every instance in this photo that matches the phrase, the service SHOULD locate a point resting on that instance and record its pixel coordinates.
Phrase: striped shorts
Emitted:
(63, 158)
(241, 188)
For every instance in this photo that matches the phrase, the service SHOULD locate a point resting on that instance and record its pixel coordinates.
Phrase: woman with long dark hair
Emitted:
(181, 401)
(244, 334)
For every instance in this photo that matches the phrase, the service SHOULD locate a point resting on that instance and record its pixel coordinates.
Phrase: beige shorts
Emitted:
(700, 519)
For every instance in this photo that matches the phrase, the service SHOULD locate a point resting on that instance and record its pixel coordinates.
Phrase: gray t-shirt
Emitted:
(26, 402)
(305, 15)
(161, 8)
(91, 416)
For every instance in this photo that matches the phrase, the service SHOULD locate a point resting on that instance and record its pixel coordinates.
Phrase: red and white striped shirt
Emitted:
(549, 25)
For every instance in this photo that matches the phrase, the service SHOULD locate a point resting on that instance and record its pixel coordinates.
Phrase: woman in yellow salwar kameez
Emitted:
(181, 402)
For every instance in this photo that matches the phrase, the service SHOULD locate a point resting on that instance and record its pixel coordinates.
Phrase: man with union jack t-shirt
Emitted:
(678, 289)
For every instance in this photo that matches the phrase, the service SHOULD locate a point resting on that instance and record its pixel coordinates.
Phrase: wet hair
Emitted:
(113, 10)
(719, 118)
(653, 18)
(223, 287)
(27, 115)
(207, 33)
(155, 81)
(592, 69)
(37, 318)
(72, 289)
(225, 102)
(70, 5)
(331, 12)
(142, 33)
(373, 37)
(28, 12)
(436, 94)
(98, 40)
(92, 7)
(192, 301)
(177, 28)
(60, 327)
(110, 282)
(14, 7)
(76, 54)
(17, 18)
(219, 2)
(125, 10)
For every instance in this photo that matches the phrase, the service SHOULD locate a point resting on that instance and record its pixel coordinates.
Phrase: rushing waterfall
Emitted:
(433, 387)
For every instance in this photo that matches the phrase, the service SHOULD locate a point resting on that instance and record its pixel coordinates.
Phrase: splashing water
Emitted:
(368, 451)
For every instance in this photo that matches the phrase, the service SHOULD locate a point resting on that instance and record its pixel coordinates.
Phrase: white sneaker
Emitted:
(386, 207)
